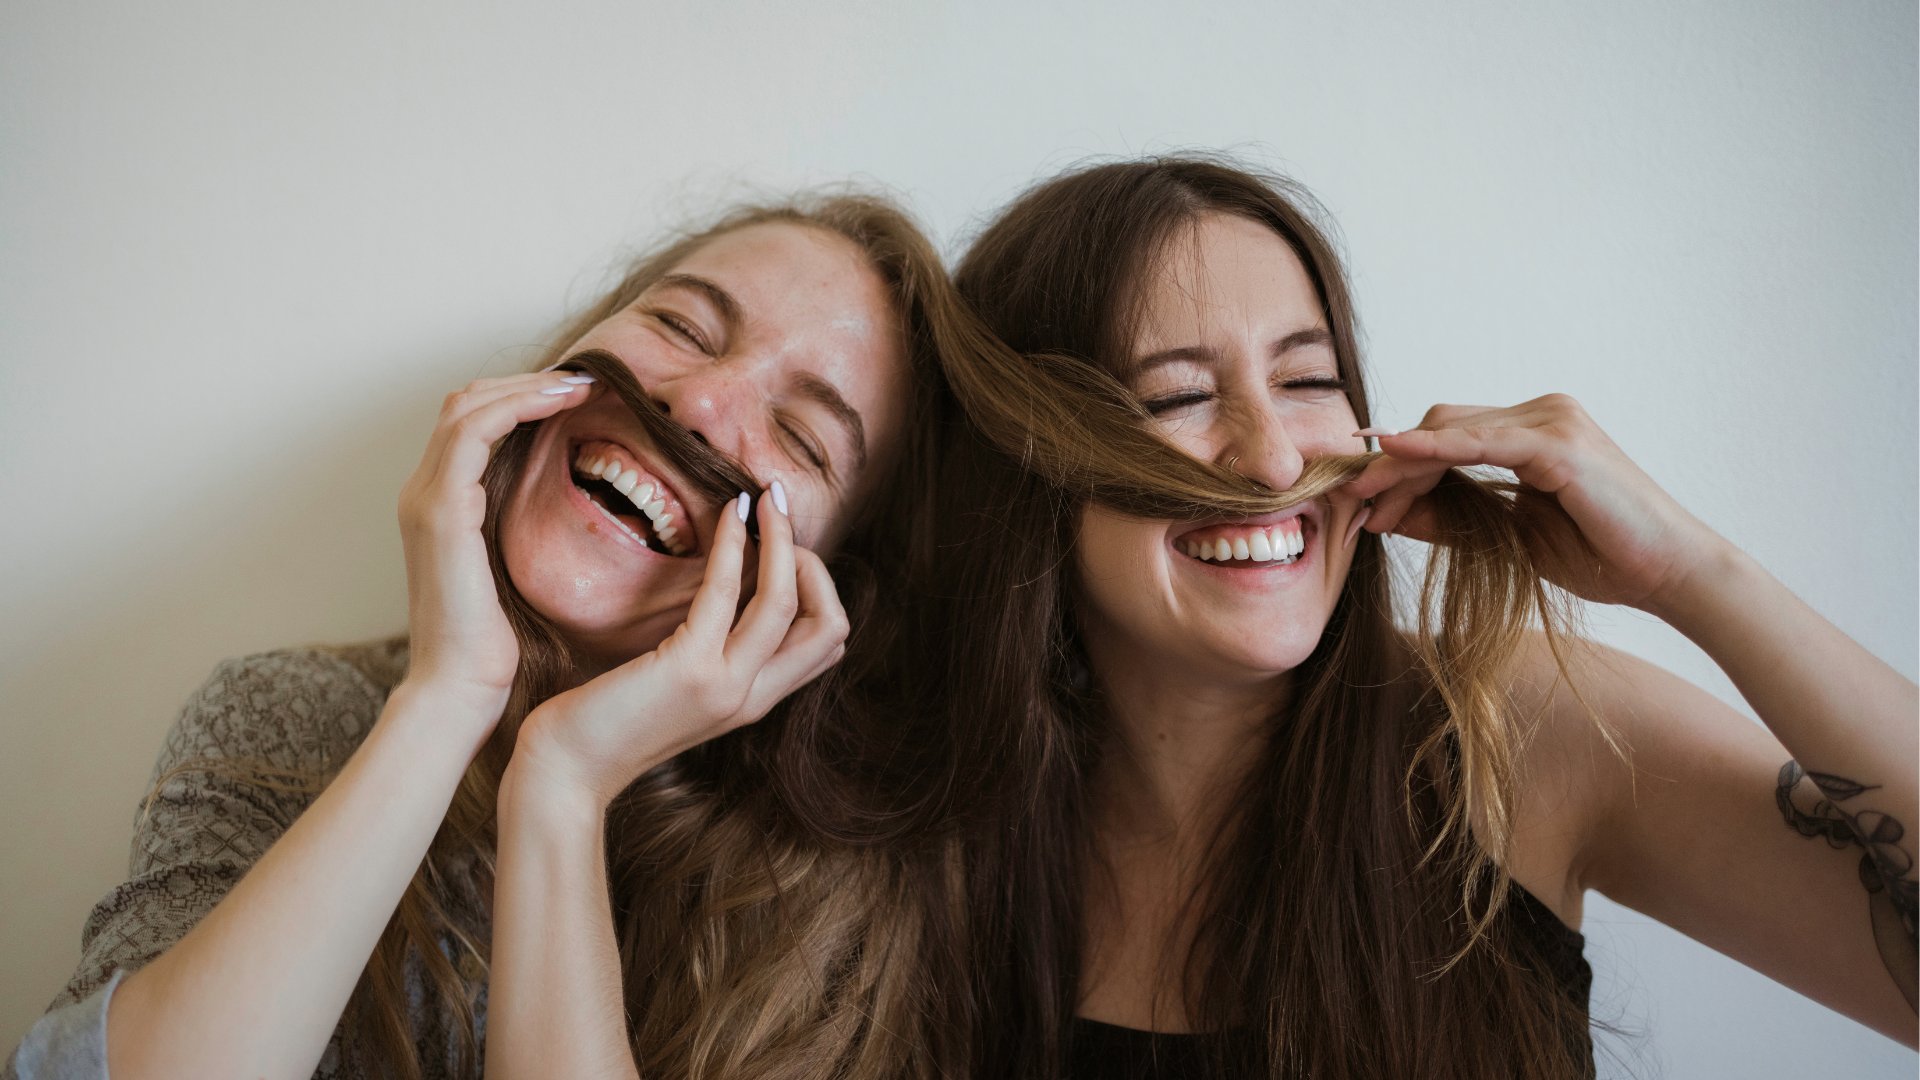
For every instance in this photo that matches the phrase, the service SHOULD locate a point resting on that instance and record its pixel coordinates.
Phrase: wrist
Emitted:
(1692, 601)
(542, 780)
(457, 700)
(438, 719)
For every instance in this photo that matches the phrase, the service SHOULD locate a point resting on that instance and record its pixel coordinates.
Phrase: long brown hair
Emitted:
(1347, 918)
(776, 914)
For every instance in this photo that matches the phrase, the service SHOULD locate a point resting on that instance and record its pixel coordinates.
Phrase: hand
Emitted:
(1597, 525)
(710, 677)
(459, 639)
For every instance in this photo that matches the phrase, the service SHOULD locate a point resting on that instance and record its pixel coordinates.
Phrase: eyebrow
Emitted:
(720, 298)
(810, 386)
(1200, 354)
(816, 389)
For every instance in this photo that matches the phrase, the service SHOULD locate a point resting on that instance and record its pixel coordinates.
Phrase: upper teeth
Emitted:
(642, 495)
(1282, 543)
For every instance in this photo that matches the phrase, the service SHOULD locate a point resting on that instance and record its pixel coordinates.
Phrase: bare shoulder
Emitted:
(1566, 763)
(1591, 722)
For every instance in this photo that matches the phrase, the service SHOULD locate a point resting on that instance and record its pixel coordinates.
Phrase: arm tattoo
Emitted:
(1886, 870)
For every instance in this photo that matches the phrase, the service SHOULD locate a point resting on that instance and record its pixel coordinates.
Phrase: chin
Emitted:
(1248, 652)
(598, 627)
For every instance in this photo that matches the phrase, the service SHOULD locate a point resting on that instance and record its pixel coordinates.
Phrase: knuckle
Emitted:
(467, 426)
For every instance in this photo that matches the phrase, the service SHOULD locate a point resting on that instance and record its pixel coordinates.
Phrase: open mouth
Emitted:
(633, 497)
(1278, 543)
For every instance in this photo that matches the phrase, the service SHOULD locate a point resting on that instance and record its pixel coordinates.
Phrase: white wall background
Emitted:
(245, 248)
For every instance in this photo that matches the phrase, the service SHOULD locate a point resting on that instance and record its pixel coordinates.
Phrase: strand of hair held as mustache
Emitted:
(707, 471)
(1078, 428)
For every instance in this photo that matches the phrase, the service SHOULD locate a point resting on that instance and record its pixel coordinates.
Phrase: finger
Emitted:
(816, 642)
(778, 684)
(1383, 473)
(776, 598)
(711, 613)
(483, 392)
(1441, 416)
(1532, 453)
(1392, 504)
(468, 440)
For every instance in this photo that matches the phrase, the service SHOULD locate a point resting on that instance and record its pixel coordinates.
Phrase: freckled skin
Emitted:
(1235, 289)
(810, 299)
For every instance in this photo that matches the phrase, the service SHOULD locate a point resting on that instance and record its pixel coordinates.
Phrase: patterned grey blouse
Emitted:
(296, 711)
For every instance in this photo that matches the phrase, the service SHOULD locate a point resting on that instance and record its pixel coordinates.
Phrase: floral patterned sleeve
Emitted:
(227, 787)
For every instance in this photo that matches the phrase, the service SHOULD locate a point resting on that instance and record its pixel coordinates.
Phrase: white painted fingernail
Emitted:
(560, 389)
(579, 379)
(779, 497)
(740, 507)
(1353, 527)
(1376, 432)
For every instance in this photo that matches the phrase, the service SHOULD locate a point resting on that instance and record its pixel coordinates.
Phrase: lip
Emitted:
(1308, 510)
(692, 519)
(1310, 531)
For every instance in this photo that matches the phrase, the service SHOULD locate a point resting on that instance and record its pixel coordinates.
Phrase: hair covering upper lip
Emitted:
(698, 467)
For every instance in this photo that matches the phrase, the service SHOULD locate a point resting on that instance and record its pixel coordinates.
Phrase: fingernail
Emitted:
(559, 389)
(1353, 526)
(740, 507)
(779, 497)
(1375, 432)
(579, 379)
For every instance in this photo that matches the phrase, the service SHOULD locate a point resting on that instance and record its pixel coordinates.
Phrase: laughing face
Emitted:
(776, 344)
(1234, 360)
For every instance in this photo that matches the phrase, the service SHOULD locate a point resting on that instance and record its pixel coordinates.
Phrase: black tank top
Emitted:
(1109, 1052)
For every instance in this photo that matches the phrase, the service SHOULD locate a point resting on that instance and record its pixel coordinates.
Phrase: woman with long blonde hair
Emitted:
(384, 859)
(1248, 825)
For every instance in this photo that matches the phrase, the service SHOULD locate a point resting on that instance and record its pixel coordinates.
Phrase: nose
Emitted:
(714, 402)
(1260, 448)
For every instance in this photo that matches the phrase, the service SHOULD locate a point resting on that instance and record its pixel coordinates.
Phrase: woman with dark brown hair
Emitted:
(611, 566)
(1248, 826)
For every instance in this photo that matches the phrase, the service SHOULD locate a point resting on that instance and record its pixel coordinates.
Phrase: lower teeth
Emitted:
(647, 541)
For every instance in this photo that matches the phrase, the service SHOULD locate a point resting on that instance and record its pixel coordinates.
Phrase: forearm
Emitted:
(258, 986)
(1837, 708)
(555, 1006)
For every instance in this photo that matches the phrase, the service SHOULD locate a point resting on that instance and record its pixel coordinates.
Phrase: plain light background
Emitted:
(244, 250)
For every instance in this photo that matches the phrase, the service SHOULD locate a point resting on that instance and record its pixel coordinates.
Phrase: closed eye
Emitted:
(1177, 400)
(683, 329)
(1181, 399)
(805, 446)
(1319, 383)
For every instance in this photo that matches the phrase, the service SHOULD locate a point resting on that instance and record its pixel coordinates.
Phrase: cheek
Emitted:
(524, 534)
(1119, 562)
